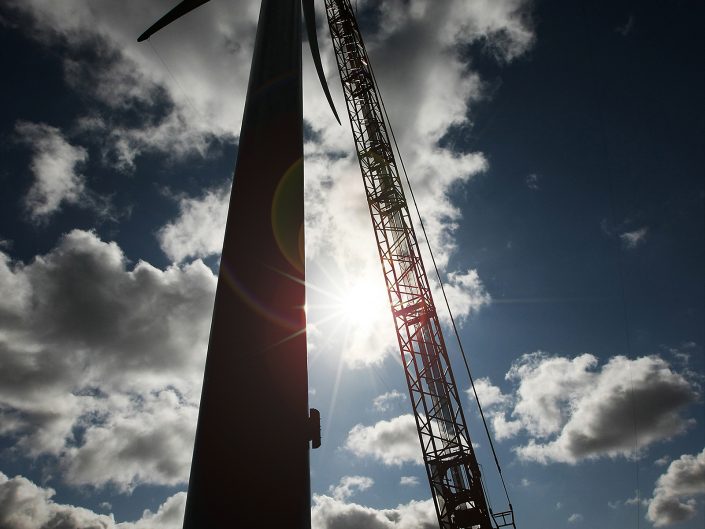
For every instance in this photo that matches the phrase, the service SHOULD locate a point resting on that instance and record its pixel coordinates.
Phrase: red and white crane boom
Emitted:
(452, 469)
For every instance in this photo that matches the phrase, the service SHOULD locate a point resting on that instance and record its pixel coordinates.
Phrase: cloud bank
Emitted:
(674, 498)
(391, 442)
(24, 505)
(572, 409)
(102, 362)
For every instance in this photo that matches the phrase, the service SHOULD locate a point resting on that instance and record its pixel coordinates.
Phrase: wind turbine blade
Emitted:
(180, 10)
(310, 16)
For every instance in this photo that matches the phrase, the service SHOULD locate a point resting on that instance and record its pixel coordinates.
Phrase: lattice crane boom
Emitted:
(452, 469)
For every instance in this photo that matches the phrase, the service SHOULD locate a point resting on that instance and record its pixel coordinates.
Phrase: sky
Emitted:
(557, 152)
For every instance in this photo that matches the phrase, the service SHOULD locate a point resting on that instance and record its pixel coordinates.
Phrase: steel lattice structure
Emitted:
(451, 466)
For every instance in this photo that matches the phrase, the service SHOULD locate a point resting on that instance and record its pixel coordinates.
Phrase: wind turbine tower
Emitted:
(251, 456)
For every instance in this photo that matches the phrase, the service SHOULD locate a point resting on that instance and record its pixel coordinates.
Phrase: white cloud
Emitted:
(392, 442)
(409, 481)
(334, 513)
(571, 410)
(575, 518)
(466, 295)
(663, 461)
(197, 97)
(439, 87)
(103, 363)
(428, 87)
(349, 486)
(24, 505)
(199, 229)
(532, 181)
(636, 500)
(102, 328)
(504, 429)
(54, 166)
(632, 239)
(384, 401)
(169, 515)
(141, 440)
(490, 396)
(200, 95)
(676, 489)
(495, 405)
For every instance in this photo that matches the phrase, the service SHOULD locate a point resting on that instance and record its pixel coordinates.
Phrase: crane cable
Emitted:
(440, 282)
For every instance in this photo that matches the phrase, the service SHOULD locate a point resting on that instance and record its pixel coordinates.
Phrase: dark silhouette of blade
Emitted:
(179, 11)
(310, 16)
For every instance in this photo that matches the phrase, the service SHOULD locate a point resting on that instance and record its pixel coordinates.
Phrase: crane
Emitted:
(451, 466)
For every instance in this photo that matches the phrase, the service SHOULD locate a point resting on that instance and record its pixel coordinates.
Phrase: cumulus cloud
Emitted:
(632, 239)
(335, 513)
(199, 229)
(663, 461)
(674, 497)
(465, 292)
(209, 56)
(54, 166)
(148, 439)
(490, 395)
(384, 401)
(349, 486)
(102, 362)
(188, 82)
(575, 518)
(199, 95)
(503, 428)
(392, 442)
(24, 505)
(634, 500)
(197, 100)
(428, 87)
(408, 481)
(495, 405)
(572, 409)
(100, 331)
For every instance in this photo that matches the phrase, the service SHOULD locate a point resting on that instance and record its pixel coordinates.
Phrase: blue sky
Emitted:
(556, 150)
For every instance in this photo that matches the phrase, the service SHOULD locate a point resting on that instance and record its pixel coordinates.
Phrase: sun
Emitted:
(354, 306)
(361, 303)
(348, 312)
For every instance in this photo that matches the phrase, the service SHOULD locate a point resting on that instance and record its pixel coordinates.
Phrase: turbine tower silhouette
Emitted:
(251, 455)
